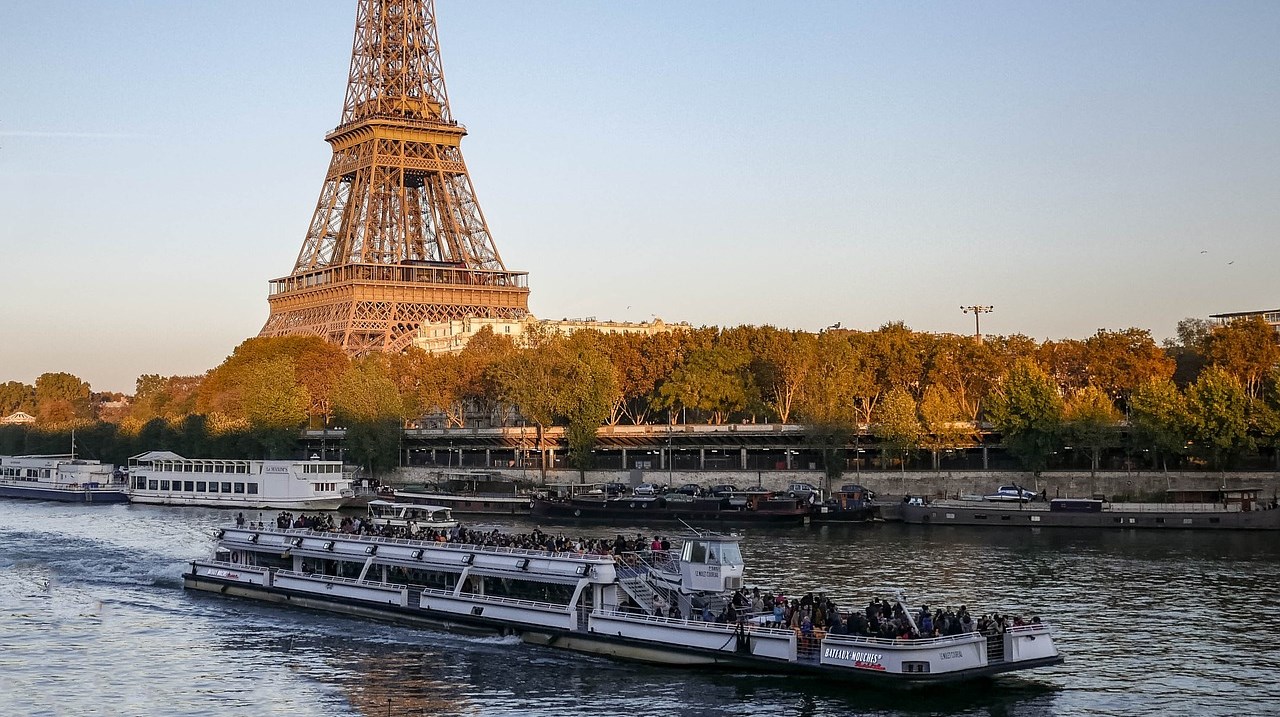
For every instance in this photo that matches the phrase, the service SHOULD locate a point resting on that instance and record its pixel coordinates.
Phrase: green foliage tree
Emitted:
(1158, 419)
(897, 425)
(1028, 413)
(1218, 417)
(714, 381)
(1091, 422)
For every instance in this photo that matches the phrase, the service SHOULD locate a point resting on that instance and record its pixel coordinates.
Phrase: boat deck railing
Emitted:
(613, 611)
(498, 600)
(455, 547)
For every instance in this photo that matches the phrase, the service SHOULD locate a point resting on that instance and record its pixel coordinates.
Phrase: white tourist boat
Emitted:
(411, 516)
(61, 478)
(165, 478)
(588, 603)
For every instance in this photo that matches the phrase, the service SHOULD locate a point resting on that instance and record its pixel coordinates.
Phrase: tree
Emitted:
(1158, 419)
(589, 391)
(944, 422)
(782, 362)
(1091, 420)
(713, 380)
(62, 398)
(16, 396)
(274, 403)
(1246, 348)
(171, 398)
(1120, 361)
(365, 392)
(1218, 419)
(316, 364)
(1028, 413)
(896, 424)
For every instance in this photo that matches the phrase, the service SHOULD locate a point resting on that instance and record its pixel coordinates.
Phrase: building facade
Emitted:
(451, 336)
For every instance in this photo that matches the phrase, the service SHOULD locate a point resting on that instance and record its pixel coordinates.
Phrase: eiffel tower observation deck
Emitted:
(397, 238)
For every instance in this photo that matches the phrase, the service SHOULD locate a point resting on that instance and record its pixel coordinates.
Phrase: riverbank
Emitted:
(1058, 484)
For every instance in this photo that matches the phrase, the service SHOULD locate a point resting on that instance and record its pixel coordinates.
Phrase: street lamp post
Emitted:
(977, 312)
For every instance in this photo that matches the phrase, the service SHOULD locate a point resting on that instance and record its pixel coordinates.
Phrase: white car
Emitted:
(645, 489)
(1011, 493)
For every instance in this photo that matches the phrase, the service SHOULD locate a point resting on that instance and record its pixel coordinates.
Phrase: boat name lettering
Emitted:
(275, 469)
(224, 574)
(951, 654)
(857, 657)
(707, 573)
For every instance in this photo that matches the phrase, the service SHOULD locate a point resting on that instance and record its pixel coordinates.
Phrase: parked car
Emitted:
(1011, 493)
(645, 489)
(612, 489)
(722, 490)
(692, 489)
(805, 491)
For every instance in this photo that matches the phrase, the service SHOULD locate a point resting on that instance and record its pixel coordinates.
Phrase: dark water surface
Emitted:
(94, 621)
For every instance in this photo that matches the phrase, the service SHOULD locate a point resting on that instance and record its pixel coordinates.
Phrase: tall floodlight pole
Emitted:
(977, 312)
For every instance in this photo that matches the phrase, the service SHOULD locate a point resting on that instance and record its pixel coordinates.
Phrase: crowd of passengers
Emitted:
(619, 546)
(810, 615)
(813, 615)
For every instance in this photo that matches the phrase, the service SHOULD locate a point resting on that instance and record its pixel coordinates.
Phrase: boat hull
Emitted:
(596, 643)
(652, 512)
(65, 495)
(240, 504)
(1011, 516)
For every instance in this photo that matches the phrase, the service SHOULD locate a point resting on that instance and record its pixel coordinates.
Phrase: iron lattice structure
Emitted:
(397, 238)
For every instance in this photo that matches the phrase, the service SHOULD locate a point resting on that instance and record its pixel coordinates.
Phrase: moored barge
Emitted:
(590, 603)
(1240, 511)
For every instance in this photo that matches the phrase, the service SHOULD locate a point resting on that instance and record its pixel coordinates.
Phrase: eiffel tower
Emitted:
(397, 238)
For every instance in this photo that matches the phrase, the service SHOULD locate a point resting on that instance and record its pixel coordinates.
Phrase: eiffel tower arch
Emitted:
(397, 238)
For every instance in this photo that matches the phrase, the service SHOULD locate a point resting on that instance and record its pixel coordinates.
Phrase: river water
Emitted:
(94, 621)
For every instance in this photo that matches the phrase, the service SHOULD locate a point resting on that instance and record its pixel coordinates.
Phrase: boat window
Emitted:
(253, 488)
(164, 485)
(239, 487)
(226, 487)
(213, 487)
(695, 551)
(201, 486)
(729, 554)
(188, 486)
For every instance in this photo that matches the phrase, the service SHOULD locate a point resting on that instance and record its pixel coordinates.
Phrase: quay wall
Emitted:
(1058, 484)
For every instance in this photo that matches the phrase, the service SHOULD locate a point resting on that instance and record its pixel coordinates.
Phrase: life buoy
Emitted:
(577, 513)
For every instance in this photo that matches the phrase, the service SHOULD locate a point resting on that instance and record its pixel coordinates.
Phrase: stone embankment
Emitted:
(1112, 484)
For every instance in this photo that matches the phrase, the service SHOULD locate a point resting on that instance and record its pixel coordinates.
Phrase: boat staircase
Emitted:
(995, 649)
(636, 581)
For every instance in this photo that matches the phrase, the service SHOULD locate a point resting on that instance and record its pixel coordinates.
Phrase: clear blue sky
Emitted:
(1078, 165)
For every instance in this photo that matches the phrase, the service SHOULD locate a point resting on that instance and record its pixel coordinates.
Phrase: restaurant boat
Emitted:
(61, 478)
(165, 478)
(588, 603)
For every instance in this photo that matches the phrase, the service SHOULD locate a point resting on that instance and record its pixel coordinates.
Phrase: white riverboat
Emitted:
(588, 603)
(165, 478)
(413, 517)
(62, 478)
